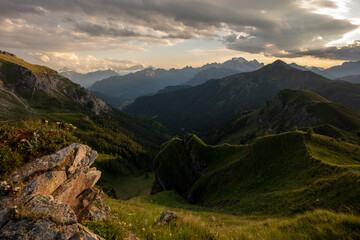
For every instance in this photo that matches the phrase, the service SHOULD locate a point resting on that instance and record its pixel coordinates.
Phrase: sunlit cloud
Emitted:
(127, 26)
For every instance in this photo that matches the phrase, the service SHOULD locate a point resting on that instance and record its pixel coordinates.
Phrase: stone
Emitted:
(72, 191)
(5, 216)
(45, 229)
(44, 184)
(61, 160)
(46, 198)
(97, 215)
(48, 208)
(165, 218)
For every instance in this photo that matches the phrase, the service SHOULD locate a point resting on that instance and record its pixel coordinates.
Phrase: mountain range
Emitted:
(283, 161)
(201, 108)
(343, 70)
(350, 78)
(149, 81)
(87, 79)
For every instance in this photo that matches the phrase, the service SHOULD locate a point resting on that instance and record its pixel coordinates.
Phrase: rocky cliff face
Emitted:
(19, 75)
(46, 198)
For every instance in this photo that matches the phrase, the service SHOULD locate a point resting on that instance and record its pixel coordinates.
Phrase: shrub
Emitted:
(310, 132)
(22, 142)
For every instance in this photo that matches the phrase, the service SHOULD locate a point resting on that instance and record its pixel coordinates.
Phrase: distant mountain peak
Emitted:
(279, 63)
(65, 69)
(239, 59)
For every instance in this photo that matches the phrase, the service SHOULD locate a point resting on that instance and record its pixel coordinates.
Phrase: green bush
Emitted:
(310, 132)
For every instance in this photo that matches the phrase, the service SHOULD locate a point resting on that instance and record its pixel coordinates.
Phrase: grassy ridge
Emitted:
(278, 174)
(287, 109)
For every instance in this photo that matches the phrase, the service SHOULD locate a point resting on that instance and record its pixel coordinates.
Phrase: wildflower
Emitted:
(154, 234)
(170, 234)
(143, 229)
(46, 121)
(22, 140)
(34, 133)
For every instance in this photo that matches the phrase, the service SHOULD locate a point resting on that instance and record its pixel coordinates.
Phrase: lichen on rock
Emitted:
(55, 192)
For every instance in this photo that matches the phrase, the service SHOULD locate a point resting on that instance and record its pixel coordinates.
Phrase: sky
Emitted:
(129, 35)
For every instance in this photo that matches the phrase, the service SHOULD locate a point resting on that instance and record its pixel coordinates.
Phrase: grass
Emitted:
(136, 217)
(287, 109)
(121, 179)
(282, 174)
(5, 60)
(24, 141)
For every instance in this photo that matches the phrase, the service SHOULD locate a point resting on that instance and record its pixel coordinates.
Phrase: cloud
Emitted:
(273, 28)
(89, 63)
(349, 52)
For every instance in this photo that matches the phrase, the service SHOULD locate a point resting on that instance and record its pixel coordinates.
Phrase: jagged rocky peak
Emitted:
(51, 195)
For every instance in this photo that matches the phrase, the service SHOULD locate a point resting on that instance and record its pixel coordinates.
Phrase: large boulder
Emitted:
(48, 197)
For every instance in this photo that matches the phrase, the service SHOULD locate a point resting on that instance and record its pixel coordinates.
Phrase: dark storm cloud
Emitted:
(271, 27)
(99, 30)
(350, 52)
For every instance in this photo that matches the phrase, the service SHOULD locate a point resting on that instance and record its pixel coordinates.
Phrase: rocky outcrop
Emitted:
(20, 74)
(48, 197)
(165, 218)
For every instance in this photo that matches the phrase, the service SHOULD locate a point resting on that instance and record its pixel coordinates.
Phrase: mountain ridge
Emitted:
(260, 177)
(150, 80)
(28, 90)
(89, 78)
(288, 109)
(201, 108)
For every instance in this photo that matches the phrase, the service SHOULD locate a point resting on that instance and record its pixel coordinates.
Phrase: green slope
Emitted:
(278, 174)
(202, 108)
(32, 90)
(290, 108)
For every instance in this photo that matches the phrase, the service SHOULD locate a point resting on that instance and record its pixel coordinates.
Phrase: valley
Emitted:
(268, 153)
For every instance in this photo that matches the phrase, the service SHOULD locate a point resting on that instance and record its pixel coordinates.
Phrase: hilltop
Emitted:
(289, 108)
(201, 108)
(278, 174)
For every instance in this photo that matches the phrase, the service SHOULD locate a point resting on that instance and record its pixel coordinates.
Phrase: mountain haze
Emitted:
(345, 69)
(351, 78)
(202, 108)
(210, 73)
(149, 81)
(87, 79)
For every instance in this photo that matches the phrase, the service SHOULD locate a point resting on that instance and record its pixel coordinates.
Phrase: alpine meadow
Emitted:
(186, 120)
